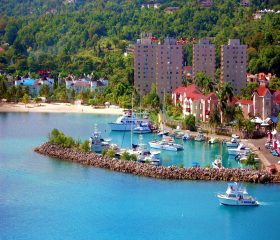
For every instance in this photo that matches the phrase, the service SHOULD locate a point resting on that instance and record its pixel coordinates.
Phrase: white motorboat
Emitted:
(217, 163)
(127, 122)
(241, 149)
(167, 143)
(97, 143)
(144, 155)
(236, 196)
(200, 137)
(213, 140)
(187, 137)
(142, 128)
(163, 133)
(233, 143)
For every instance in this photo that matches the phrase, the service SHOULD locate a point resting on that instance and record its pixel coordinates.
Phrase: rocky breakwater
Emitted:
(160, 172)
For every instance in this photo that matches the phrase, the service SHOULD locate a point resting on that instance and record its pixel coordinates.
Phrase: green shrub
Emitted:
(125, 156)
(85, 146)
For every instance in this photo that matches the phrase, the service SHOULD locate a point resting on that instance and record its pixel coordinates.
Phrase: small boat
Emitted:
(127, 122)
(213, 140)
(97, 143)
(167, 143)
(200, 137)
(163, 133)
(187, 137)
(143, 154)
(236, 196)
(142, 128)
(241, 149)
(217, 163)
(234, 142)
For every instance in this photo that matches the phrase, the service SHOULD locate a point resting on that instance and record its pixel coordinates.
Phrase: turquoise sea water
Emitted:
(42, 198)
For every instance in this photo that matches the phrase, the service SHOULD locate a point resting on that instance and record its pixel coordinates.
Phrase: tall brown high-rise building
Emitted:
(204, 58)
(161, 64)
(234, 64)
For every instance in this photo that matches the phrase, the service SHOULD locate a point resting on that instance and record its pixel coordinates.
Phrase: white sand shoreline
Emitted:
(57, 108)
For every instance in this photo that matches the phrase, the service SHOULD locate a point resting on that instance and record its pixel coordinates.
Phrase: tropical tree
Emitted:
(189, 122)
(44, 91)
(247, 92)
(225, 94)
(274, 83)
(152, 99)
(25, 99)
(204, 82)
(214, 117)
(249, 127)
(3, 88)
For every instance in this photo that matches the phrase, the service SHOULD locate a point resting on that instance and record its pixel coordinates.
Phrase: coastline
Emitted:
(158, 172)
(57, 108)
(266, 159)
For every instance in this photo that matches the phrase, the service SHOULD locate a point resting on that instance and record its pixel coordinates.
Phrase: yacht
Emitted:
(167, 143)
(236, 196)
(200, 137)
(142, 128)
(127, 122)
(241, 149)
(97, 143)
(213, 140)
(233, 143)
(217, 163)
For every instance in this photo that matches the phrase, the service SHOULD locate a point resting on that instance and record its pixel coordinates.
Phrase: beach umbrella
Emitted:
(274, 119)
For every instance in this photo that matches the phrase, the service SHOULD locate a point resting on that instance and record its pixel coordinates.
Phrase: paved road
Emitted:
(263, 152)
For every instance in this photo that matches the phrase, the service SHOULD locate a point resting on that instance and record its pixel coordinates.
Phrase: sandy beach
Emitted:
(58, 108)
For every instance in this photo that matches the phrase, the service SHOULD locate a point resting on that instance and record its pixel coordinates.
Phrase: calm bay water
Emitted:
(42, 198)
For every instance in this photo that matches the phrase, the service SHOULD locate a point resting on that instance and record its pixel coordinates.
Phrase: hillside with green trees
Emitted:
(85, 36)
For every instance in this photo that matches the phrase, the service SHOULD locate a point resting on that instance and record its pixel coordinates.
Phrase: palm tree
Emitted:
(225, 94)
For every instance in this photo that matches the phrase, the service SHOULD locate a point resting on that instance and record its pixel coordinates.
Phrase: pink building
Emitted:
(234, 64)
(194, 102)
(246, 106)
(204, 58)
(160, 64)
(263, 102)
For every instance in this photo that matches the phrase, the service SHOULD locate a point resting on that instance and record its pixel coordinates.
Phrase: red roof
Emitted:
(262, 77)
(234, 100)
(262, 90)
(212, 95)
(277, 97)
(245, 102)
(191, 91)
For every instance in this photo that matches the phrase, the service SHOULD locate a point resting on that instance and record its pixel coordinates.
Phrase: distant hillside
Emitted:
(92, 36)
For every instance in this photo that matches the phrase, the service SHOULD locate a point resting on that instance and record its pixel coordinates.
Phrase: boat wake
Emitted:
(268, 203)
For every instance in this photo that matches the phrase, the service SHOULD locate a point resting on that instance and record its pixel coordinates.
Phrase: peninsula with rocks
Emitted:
(159, 172)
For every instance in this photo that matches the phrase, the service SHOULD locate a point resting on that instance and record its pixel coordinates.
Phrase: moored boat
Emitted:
(217, 163)
(213, 140)
(200, 137)
(127, 122)
(142, 128)
(241, 149)
(236, 196)
(233, 143)
(97, 143)
(167, 143)
(187, 137)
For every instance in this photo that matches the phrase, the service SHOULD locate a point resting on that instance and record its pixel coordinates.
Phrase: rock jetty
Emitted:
(160, 172)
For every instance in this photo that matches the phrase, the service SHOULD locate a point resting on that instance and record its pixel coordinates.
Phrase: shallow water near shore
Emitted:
(44, 198)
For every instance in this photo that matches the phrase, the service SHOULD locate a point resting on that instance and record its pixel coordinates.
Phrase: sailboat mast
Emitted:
(131, 121)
